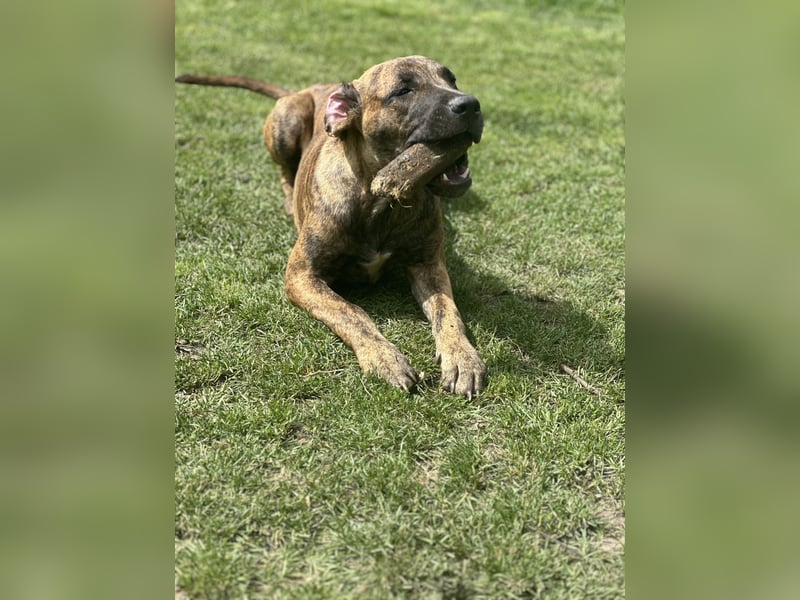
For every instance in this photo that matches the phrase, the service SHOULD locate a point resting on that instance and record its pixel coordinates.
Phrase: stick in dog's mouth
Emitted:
(442, 167)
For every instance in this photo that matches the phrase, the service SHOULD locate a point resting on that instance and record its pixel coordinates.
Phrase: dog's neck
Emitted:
(364, 158)
(365, 162)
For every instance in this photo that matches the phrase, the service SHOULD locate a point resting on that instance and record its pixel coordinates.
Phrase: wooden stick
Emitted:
(417, 166)
(581, 381)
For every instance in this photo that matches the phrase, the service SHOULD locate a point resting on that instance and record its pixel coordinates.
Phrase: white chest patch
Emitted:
(374, 266)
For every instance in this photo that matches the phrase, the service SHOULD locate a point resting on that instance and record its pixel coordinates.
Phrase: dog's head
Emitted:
(401, 102)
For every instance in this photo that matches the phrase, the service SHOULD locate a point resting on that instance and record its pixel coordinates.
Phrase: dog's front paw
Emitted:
(388, 362)
(463, 371)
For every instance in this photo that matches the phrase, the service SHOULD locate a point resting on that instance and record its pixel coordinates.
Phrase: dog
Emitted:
(403, 121)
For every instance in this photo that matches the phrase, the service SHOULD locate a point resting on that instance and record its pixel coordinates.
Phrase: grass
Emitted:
(299, 477)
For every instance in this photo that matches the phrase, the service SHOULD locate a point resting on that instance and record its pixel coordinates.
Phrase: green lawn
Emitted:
(299, 477)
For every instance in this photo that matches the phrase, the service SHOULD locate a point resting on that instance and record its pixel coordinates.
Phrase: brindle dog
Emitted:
(331, 141)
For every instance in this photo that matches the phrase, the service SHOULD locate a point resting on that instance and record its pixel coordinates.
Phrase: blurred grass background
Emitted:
(86, 309)
(713, 188)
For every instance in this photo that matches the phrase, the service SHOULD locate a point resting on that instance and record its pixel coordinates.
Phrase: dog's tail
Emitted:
(248, 83)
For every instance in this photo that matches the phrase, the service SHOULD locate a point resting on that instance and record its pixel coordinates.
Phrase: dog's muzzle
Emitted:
(468, 110)
(456, 179)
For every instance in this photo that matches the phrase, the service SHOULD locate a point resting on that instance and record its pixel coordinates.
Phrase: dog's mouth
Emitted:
(454, 181)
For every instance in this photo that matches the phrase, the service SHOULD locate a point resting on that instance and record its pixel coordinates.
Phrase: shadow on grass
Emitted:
(536, 333)
(533, 334)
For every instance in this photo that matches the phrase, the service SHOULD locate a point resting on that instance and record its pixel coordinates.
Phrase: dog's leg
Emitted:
(463, 371)
(287, 131)
(351, 323)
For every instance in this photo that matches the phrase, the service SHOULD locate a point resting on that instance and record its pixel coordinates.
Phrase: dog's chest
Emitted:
(394, 235)
(374, 264)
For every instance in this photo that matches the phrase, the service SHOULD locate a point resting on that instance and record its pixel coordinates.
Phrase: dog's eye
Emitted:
(401, 92)
(450, 77)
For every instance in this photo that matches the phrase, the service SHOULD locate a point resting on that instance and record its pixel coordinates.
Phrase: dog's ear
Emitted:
(343, 110)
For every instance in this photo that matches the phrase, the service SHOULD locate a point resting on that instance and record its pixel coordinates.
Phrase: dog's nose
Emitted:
(464, 104)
